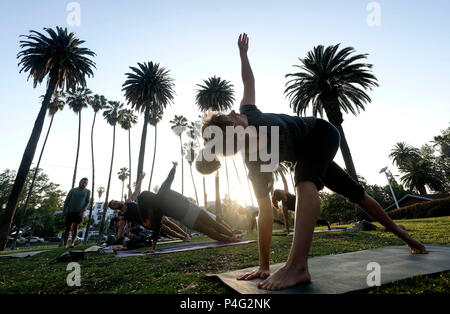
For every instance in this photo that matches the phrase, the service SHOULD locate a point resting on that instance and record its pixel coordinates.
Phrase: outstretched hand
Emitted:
(243, 42)
(175, 163)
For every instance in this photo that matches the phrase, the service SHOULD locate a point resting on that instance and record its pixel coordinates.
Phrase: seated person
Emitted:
(151, 208)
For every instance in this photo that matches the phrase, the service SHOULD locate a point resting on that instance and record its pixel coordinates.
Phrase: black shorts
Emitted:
(315, 163)
(73, 218)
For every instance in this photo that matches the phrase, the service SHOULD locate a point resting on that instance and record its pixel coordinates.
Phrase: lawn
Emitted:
(185, 272)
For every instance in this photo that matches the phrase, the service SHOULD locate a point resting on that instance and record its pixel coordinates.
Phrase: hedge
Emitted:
(435, 208)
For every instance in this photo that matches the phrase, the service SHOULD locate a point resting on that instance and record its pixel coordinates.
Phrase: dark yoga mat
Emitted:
(183, 248)
(347, 272)
(21, 255)
(315, 231)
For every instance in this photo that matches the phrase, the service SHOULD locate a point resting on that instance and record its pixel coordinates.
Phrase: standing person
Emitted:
(311, 143)
(74, 207)
(288, 204)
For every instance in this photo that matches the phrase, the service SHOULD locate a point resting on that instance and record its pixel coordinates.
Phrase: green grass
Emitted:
(185, 272)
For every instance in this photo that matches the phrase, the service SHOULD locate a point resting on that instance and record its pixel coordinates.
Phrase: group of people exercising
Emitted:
(309, 143)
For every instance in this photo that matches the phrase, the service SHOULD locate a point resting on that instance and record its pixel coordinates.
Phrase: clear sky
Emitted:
(197, 39)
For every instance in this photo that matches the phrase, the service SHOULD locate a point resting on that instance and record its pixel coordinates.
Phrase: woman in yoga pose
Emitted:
(288, 204)
(151, 208)
(311, 143)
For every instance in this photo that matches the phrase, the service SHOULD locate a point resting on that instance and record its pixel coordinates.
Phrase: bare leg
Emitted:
(66, 235)
(74, 233)
(371, 207)
(296, 269)
(121, 228)
(182, 235)
(286, 219)
(205, 224)
(171, 232)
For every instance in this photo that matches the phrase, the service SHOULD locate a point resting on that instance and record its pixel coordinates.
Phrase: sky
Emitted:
(407, 43)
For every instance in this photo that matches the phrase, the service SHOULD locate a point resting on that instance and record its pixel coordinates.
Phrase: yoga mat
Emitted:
(315, 231)
(182, 248)
(22, 255)
(347, 272)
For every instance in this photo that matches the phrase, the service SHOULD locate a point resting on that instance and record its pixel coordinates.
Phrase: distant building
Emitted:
(410, 199)
(97, 213)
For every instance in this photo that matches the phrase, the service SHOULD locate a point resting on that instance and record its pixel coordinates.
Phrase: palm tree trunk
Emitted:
(193, 183)
(228, 180)
(78, 150)
(143, 140)
(123, 184)
(249, 188)
(129, 155)
(154, 157)
(182, 167)
(205, 196)
(27, 158)
(218, 203)
(334, 115)
(105, 205)
(239, 179)
(30, 189)
(91, 202)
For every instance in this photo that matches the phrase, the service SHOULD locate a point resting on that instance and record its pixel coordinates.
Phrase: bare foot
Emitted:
(284, 278)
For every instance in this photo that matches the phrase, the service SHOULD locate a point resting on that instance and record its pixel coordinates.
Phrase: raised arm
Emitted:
(133, 196)
(168, 182)
(246, 71)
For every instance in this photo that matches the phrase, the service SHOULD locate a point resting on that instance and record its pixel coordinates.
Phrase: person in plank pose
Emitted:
(288, 203)
(150, 209)
(311, 143)
(126, 218)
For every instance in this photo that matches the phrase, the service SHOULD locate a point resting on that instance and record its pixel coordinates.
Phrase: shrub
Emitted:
(435, 208)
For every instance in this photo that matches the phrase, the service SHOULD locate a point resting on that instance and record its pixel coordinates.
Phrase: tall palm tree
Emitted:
(98, 103)
(112, 115)
(148, 86)
(179, 125)
(58, 57)
(156, 116)
(402, 153)
(218, 95)
(123, 174)
(77, 100)
(55, 105)
(331, 80)
(191, 153)
(418, 173)
(127, 120)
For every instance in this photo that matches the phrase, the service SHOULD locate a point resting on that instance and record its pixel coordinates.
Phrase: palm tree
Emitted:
(148, 86)
(127, 120)
(179, 125)
(402, 153)
(55, 105)
(156, 116)
(123, 174)
(58, 57)
(330, 80)
(112, 115)
(98, 103)
(418, 173)
(218, 95)
(191, 153)
(77, 100)
(100, 191)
